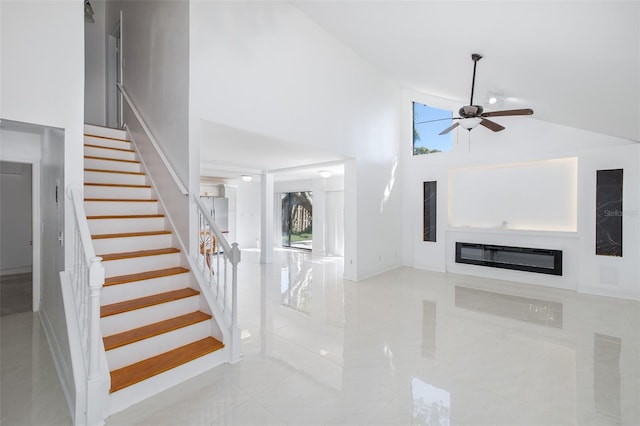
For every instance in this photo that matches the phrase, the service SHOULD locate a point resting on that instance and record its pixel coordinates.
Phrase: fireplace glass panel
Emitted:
(518, 258)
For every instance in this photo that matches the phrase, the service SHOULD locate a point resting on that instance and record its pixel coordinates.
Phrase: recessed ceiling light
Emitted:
(247, 178)
(325, 173)
(493, 100)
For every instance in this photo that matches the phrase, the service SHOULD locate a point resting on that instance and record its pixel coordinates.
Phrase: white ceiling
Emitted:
(575, 63)
(249, 153)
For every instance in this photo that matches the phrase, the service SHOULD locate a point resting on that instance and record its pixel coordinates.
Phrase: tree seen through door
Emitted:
(297, 219)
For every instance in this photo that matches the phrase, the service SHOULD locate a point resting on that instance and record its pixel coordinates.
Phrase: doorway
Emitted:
(16, 237)
(297, 220)
(114, 77)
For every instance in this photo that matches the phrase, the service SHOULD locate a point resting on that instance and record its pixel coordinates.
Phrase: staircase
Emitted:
(157, 328)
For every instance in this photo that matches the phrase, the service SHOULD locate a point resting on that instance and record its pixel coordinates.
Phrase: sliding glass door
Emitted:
(297, 220)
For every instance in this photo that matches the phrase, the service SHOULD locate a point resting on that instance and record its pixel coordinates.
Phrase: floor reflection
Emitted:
(429, 329)
(535, 311)
(430, 406)
(302, 317)
(606, 377)
(296, 290)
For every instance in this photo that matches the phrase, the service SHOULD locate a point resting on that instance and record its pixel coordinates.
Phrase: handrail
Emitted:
(87, 280)
(214, 247)
(153, 141)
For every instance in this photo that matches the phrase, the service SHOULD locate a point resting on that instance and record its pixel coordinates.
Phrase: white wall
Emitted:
(15, 218)
(155, 46)
(266, 68)
(525, 140)
(53, 204)
(36, 85)
(248, 214)
(532, 195)
(95, 67)
(42, 82)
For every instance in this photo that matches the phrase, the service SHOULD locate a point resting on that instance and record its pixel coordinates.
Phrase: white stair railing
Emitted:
(217, 262)
(87, 279)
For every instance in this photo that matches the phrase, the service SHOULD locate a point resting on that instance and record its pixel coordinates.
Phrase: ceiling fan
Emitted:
(472, 115)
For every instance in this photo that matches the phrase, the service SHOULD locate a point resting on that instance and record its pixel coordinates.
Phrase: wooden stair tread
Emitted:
(155, 329)
(121, 200)
(139, 253)
(143, 302)
(108, 147)
(113, 171)
(106, 137)
(129, 234)
(126, 216)
(135, 373)
(93, 157)
(118, 185)
(146, 275)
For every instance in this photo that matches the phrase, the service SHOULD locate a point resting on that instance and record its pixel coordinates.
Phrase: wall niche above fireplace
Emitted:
(544, 261)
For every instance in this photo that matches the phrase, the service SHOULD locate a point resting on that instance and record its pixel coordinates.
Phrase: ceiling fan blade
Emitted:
(525, 111)
(450, 128)
(491, 125)
(437, 119)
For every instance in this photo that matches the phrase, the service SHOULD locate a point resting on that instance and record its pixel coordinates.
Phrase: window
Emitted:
(426, 139)
(297, 220)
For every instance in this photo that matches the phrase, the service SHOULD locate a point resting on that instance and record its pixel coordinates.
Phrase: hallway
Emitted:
(405, 347)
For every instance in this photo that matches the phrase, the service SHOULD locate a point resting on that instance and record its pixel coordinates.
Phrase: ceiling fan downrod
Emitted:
(475, 57)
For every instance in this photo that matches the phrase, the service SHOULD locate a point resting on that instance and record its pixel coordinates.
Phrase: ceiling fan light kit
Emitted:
(471, 115)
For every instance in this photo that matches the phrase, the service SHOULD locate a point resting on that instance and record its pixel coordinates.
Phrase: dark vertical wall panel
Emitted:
(609, 212)
(430, 194)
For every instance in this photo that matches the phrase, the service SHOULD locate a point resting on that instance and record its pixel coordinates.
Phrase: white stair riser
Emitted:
(121, 245)
(114, 268)
(131, 395)
(98, 208)
(109, 153)
(120, 178)
(121, 166)
(105, 131)
(136, 289)
(109, 143)
(116, 226)
(139, 317)
(91, 191)
(156, 345)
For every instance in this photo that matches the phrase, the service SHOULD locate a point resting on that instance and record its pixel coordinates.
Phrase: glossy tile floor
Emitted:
(407, 347)
(30, 393)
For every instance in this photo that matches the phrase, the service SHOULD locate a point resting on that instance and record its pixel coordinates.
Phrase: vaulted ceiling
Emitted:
(576, 63)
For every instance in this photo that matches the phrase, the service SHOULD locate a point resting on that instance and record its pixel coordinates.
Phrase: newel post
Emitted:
(96, 281)
(235, 331)
(95, 399)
